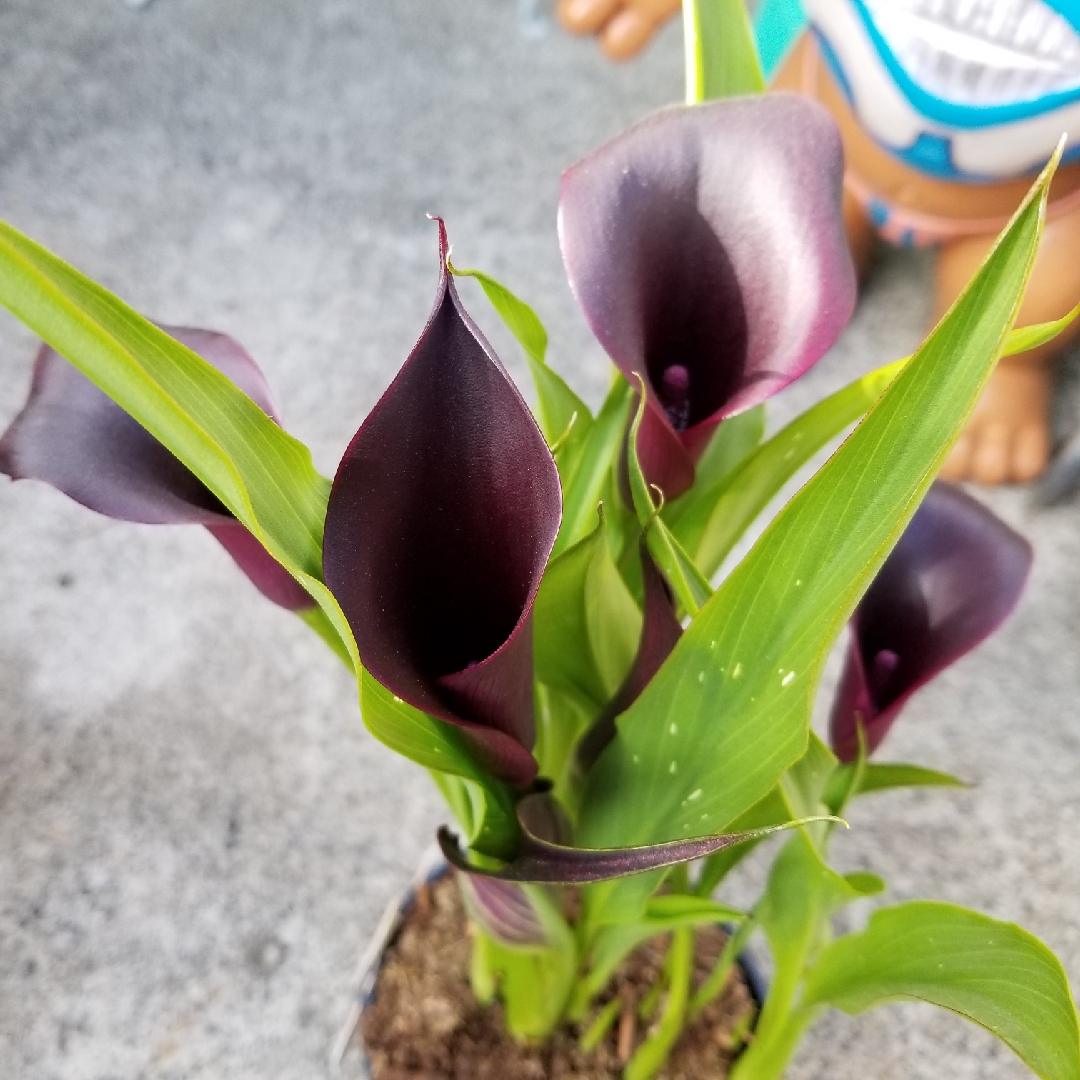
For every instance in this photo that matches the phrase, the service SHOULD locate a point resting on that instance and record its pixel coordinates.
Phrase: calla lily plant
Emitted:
(531, 606)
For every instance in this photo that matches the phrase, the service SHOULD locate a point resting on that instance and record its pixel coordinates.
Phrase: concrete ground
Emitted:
(196, 833)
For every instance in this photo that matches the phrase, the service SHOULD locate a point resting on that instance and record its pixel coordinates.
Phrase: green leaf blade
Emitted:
(994, 973)
(721, 51)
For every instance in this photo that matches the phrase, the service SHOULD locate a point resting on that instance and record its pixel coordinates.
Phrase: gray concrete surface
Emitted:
(196, 832)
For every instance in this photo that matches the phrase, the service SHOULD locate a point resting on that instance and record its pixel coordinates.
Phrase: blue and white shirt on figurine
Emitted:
(970, 90)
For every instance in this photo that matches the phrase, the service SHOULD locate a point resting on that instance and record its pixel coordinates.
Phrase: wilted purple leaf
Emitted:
(706, 247)
(73, 436)
(540, 862)
(660, 630)
(502, 909)
(441, 520)
(952, 579)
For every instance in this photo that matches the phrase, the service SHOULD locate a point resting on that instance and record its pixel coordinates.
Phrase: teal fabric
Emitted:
(777, 24)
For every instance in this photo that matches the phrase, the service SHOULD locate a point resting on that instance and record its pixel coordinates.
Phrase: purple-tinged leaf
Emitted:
(540, 862)
(953, 578)
(441, 519)
(706, 248)
(503, 911)
(660, 630)
(73, 436)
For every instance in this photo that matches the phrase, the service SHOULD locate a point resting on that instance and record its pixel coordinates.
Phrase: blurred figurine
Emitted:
(947, 108)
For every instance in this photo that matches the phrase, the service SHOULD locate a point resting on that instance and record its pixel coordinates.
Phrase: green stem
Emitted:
(654, 1051)
(768, 1055)
(600, 1026)
(679, 879)
(718, 977)
(481, 976)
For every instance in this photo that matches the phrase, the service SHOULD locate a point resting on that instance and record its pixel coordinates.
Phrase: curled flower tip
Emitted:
(73, 436)
(707, 250)
(441, 519)
(952, 579)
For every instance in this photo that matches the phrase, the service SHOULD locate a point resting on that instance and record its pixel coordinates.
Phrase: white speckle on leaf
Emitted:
(787, 678)
(397, 700)
(694, 795)
(637, 759)
(701, 676)
(738, 670)
(673, 768)
(674, 729)
(798, 581)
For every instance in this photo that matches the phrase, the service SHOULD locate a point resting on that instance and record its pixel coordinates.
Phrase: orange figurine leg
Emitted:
(623, 26)
(1007, 439)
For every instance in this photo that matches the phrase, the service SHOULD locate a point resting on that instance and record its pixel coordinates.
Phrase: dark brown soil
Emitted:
(424, 1023)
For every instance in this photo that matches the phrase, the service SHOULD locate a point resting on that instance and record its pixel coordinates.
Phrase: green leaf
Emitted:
(561, 720)
(679, 909)
(613, 944)
(584, 486)
(729, 710)
(719, 518)
(804, 784)
(767, 812)
(489, 815)
(1024, 338)
(994, 973)
(884, 777)
(564, 418)
(264, 476)
(732, 443)
(708, 523)
(586, 624)
(691, 589)
(721, 52)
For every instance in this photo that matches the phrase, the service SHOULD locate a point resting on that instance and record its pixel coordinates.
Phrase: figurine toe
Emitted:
(1031, 453)
(627, 33)
(959, 460)
(586, 16)
(990, 457)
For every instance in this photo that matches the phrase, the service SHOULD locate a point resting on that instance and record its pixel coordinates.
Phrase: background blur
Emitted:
(197, 835)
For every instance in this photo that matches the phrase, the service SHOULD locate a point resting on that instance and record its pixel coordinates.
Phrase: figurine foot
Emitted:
(1007, 439)
(624, 27)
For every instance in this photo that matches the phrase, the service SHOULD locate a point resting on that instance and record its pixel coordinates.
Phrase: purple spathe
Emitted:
(441, 519)
(707, 250)
(73, 436)
(952, 579)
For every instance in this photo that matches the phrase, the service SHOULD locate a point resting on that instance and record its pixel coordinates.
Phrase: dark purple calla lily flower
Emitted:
(441, 519)
(953, 578)
(73, 436)
(706, 247)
